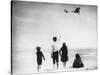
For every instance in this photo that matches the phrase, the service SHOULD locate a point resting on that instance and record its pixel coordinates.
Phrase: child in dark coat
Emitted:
(78, 62)
(39, 57)
(64, 54)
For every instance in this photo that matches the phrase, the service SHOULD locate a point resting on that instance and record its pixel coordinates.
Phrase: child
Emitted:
(78, 62)
(39, 57)
(55, 53)
(64, 54)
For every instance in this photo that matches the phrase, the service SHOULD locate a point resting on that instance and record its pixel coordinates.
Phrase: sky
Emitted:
(35, 23)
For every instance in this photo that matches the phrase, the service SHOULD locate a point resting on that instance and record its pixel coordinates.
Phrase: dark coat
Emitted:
(64, 53)
(39, 57)
(78, 62)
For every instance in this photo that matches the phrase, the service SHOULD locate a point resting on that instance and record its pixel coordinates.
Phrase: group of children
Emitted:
(63, 52)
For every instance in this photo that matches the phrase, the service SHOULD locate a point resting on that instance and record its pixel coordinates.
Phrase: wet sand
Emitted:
(24, 61)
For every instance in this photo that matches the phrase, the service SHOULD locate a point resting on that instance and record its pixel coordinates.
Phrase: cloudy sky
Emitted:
(35, 23)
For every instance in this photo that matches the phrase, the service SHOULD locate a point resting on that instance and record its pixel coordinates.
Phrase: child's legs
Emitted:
(53, 58)
(57, 58)
(53, 62)
(64, 64)
(39, 65)
(57, 61)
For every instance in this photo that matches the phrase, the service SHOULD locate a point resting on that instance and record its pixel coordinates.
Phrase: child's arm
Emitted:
(52, 51)
(43, 56)
(52, 54)
(60, 51)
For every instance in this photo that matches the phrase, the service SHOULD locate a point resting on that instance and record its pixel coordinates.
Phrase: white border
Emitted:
(5, 35)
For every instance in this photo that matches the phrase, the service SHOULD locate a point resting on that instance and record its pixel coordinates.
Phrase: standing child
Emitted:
(55, 54)
(64, 54)
(39, 57)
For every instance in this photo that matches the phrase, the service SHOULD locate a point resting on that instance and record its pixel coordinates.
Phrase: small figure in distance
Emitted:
(39, 57)
(78, 62)
(55, 52)
(64, 54)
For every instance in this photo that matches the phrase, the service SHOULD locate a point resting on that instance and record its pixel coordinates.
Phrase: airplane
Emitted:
(77, 10)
